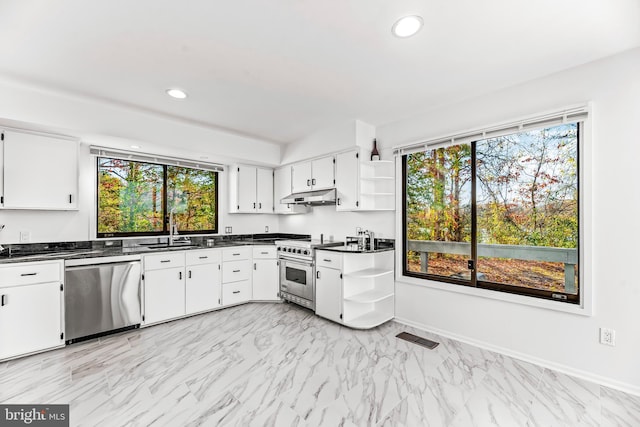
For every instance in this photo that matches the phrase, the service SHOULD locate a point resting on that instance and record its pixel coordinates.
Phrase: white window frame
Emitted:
(585, 306)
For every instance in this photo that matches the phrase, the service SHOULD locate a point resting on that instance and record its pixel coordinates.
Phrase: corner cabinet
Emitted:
(31, 308)
(355, 289)
(39, 171)
(364, 185)
(250, 189)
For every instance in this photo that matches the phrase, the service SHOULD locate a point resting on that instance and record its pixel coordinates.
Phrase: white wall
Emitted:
(107, 124)
(556, 339)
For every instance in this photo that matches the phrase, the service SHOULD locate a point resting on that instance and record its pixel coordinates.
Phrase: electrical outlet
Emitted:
(266, 228)
(608, 336)
(25, 236)
(228, 230)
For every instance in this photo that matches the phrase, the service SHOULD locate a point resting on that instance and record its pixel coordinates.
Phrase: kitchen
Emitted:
(477, 333)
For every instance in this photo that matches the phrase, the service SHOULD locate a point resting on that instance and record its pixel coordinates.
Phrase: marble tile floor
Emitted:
(280, 365)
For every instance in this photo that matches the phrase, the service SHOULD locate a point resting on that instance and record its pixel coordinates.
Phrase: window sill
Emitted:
(583, 309)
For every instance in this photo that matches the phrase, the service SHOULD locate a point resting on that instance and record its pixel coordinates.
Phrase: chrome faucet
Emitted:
(173, 229)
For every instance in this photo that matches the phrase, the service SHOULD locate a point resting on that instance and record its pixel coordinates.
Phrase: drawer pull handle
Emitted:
(4, 300)
(326, 260)
(165, 260)
(236, 271)
(236, 292)
(203, 257)
(180, 275)
(236, 254)
(264, 253)
(28, 274)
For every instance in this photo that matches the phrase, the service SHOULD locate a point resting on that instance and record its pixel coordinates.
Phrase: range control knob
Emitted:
(299, 251)
(279, 248)
(306, 252)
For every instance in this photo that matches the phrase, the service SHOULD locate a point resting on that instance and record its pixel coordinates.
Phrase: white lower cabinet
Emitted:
(164, 294)
(31, 301)
(236, 275)
(329, 293)
(164, 287)
(355, 289)
(265, 274)
(204, 278)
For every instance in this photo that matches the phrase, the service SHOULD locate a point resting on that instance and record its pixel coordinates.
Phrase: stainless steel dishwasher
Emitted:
(102, 295)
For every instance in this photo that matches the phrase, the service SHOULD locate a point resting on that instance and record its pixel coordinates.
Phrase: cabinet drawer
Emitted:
(264, 252)
(236, 253)
(233, 293)
(207, 256)
(234, 271)
(164, 260)
(329, 259)
(30, 273)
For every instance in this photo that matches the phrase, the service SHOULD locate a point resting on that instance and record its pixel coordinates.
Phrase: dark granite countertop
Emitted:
(351, 250)
(118, 248)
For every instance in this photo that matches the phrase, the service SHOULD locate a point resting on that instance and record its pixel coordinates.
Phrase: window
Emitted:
(136, 198)
(498, 213)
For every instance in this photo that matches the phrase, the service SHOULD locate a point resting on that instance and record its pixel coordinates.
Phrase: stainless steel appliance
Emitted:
(102, 295)
(297, 270)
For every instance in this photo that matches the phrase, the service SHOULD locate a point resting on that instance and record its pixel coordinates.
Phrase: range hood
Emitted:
(312, 198)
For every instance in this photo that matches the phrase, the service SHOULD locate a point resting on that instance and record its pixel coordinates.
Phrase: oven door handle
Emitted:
(284, 259)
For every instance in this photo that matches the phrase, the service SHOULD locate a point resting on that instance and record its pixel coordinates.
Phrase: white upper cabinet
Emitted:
(264, 190)
(322, 173)
(316, 174)
(281, 189)
(39, 172)
(250, 189)
(364, 185)
(301, 177)
(347, 181)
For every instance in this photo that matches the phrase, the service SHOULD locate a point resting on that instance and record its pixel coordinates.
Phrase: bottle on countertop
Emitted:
(375, 156)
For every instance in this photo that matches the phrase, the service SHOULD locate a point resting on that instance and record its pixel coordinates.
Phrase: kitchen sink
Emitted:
(167, 247)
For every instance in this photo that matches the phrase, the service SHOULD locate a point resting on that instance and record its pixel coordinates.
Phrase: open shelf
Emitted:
(369, 320)
(369, 272)
(370, 296)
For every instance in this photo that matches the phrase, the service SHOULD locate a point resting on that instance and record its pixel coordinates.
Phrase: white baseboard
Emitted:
(589, 376)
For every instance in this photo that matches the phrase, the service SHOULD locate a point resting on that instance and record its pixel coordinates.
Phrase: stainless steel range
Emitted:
(297, 270)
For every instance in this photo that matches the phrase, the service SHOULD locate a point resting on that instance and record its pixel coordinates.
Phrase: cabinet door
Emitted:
(281, 189)
(329, 293)
(265, 280)
(202, 288)
(322, 173)
(264, 190)
(347, 180)
(40, 172)
(301, 177)
(30, 319)
(246, 189)
(164, 294)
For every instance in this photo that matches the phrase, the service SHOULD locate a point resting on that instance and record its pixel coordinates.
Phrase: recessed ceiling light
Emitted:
(407, 26)
(135, 146)
(176, 93)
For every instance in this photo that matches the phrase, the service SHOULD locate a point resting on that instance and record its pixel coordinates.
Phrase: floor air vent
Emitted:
(417, 340)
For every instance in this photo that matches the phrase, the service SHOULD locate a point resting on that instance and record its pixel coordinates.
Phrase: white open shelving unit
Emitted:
(377, 185)
(368, 289)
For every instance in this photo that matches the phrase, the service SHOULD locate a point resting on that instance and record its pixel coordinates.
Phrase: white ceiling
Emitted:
(280, 70)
